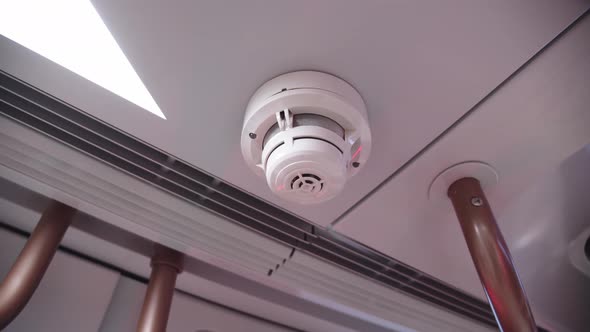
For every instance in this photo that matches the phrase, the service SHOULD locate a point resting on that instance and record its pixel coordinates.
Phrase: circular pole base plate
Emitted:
(486, 174)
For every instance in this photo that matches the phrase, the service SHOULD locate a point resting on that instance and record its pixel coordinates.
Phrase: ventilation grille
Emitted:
(77, 129)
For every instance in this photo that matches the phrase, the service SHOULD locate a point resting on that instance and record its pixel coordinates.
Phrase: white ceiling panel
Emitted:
(540, 226)
(525, 130)
(418, 65)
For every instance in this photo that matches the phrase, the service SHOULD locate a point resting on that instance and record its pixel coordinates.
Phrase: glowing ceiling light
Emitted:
(72, 34)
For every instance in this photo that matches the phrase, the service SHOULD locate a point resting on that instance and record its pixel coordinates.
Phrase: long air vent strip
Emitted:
(71, 126)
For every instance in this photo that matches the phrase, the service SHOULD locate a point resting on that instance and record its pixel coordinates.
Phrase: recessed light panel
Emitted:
(72, 34)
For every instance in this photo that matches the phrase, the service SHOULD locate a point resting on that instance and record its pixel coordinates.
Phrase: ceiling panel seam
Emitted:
(469, 112)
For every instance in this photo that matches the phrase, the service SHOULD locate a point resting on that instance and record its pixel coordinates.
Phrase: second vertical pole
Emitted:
(166, 264)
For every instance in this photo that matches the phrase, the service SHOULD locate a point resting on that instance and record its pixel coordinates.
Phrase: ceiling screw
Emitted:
(476, 201)
(252, 135)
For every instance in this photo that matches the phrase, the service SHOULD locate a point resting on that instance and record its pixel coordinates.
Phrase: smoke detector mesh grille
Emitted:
(63, 122)
(307, 183)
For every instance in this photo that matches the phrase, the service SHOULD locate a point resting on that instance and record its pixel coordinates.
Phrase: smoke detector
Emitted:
(306, 132)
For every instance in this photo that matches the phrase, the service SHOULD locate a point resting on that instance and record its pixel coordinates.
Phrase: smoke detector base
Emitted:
(306, 133)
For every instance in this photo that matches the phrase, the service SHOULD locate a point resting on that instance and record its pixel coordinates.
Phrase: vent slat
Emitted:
(397, 271)
(204, 185)
(400, 282)
(287, 238)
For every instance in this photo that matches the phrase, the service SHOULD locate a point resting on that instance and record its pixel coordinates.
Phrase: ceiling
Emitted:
(444, 82)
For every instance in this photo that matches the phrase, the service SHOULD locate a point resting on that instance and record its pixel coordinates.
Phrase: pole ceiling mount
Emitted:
(486, 174)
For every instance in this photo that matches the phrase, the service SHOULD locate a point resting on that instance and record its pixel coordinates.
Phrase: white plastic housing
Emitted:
(320, 135)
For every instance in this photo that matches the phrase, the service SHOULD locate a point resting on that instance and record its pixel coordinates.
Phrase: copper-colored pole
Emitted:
(26, 273)
(491, 257)
(166, 264)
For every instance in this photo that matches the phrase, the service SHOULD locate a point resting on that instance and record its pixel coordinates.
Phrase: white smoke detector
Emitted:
(306, 132)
